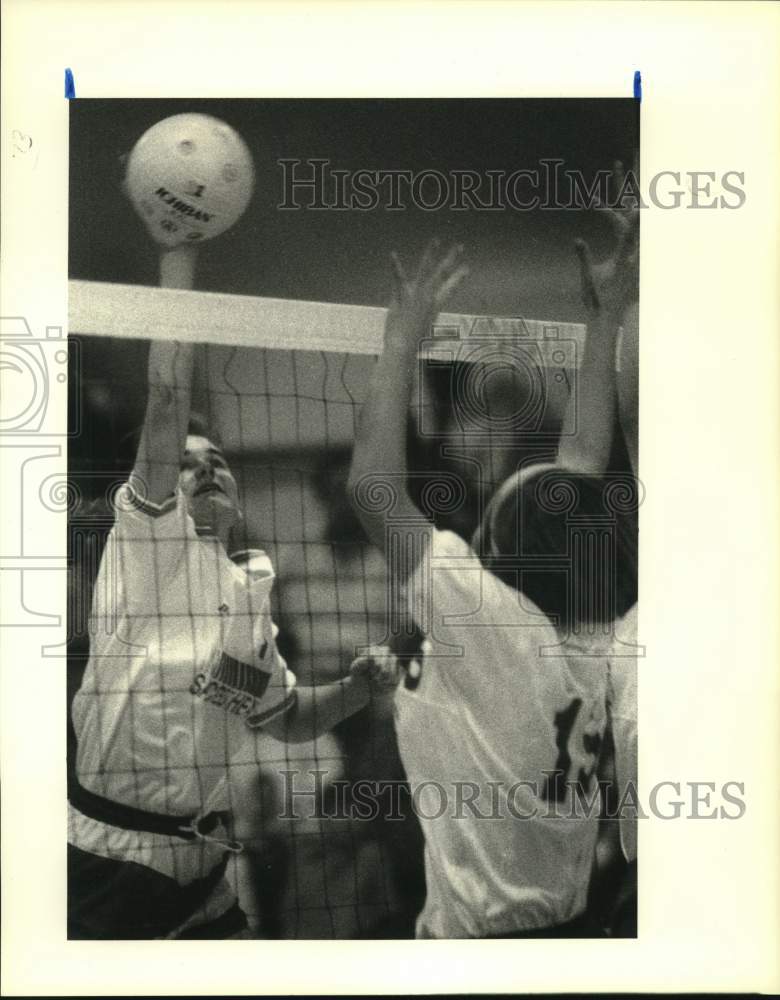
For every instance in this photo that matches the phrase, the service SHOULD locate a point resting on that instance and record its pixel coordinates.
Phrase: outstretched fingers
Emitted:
(627, 239)
(400, 280)
(618, 179)
(622, 198)
(449, 273)
(438, 275)
(428, 260)
(449, 285)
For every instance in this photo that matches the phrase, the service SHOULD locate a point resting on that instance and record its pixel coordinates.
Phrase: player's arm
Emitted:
(592, 404)
(379, 455)
(316, 710)
(628, 385)
(169, 376)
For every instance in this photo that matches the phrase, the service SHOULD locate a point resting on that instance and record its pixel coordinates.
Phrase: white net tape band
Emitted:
(114, 310)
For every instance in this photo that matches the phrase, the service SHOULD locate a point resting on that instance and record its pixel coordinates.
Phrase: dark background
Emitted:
(522, 262)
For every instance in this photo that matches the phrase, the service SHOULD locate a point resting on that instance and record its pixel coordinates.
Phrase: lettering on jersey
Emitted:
(241, 676)
(181, 206)
(235, 686)
(557, 781)
(591, 743)
(215, 693)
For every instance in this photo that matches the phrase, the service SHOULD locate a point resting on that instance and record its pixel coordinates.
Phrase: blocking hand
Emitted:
(418, 300)
(614, 285)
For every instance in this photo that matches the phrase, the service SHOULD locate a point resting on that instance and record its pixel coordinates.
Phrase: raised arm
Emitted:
(170, 366)
(628, 384)
(607, 295)
(379, 455)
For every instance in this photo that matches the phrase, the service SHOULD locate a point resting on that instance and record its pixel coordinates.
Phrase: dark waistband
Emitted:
(129, 818)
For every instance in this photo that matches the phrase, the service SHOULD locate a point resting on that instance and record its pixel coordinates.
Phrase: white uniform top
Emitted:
(497, 709)
(182, 665)
(623, 707)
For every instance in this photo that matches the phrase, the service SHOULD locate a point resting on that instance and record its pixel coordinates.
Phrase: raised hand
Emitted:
(417, 301)
(623, 208)
(613, 285)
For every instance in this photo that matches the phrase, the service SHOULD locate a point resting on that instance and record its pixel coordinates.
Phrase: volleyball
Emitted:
(189, 177)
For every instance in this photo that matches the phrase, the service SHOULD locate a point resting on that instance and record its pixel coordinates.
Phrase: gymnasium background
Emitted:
(286, 421)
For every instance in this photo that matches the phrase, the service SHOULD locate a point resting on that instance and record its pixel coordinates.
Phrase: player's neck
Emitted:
(221, 535)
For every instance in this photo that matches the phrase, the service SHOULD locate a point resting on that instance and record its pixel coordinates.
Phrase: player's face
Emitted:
(208, 484)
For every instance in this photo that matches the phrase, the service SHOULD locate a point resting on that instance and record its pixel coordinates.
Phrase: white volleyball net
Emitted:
(280, 383)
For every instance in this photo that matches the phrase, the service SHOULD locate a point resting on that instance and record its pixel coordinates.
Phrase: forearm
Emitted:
(318, 709)
(593, 402)
(380, 442)
(171, 363)
(169, 381)
(591, 407)
(627, 379)
(164, 429)
(379, 455)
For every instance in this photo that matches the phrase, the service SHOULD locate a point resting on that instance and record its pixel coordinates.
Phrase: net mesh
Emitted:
(286, 421)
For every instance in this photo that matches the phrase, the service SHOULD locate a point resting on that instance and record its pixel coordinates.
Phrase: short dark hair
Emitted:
(570, 543)
(198, 426)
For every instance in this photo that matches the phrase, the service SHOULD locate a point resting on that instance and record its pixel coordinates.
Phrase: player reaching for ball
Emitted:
(510, 707)
(610, 293)
(183, 675)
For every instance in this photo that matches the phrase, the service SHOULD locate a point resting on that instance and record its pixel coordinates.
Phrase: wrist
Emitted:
(357, 690)
(614, 313)
(607, 318)
(400, 343)
(177, 266)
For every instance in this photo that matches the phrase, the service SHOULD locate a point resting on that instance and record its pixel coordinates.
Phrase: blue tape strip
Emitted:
(637, 86)
(70, 86)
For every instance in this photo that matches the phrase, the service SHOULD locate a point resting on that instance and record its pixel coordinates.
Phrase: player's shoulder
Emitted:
(131, 499)
(462, 583)
(623, 659)
(446, 544)
(627, 627)
(139, 521)
(135, 515)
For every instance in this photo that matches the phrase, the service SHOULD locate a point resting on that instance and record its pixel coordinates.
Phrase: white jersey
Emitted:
(183, 664)
(623, 709)
(507, 712)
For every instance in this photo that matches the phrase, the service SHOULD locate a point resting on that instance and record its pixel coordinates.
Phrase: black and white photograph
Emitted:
(353, 530)
(388, 466)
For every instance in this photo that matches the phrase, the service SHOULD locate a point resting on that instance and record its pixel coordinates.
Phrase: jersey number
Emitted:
(556, 783)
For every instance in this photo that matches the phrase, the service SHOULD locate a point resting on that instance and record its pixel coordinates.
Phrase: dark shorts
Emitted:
(122, 900)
